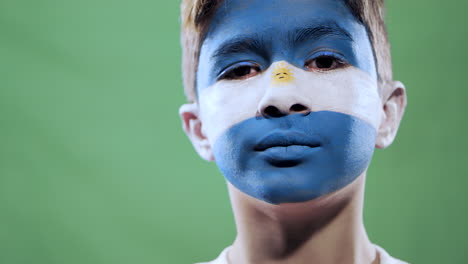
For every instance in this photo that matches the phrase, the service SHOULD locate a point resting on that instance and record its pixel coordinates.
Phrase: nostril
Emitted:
(272, 111)
(298, 108)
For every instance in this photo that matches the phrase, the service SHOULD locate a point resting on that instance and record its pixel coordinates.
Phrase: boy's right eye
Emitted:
(240, 72)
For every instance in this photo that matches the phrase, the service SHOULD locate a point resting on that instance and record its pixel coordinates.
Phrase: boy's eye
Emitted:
(323, 63)
(240, 72)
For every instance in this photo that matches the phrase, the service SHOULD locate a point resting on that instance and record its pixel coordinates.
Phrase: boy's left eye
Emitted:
(324, 63)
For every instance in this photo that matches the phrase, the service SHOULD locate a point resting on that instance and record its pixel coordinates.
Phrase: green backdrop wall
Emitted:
(94, 166)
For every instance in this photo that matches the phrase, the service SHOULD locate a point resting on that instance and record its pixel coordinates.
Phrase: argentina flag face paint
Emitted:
(288, 97)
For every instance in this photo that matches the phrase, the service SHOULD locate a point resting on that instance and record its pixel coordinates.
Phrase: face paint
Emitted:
(282, 74)
(290, 157)
(294, 157)
(291, 30)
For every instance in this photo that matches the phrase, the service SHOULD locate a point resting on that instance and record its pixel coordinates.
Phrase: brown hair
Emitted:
(196, 16)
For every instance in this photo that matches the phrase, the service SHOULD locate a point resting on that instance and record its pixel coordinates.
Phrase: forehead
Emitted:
(252, 16)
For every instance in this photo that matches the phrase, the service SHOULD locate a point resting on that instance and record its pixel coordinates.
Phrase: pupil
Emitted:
(324, 62)
(241, 71)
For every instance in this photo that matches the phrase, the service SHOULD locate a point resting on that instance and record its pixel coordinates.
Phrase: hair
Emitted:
(196, 16)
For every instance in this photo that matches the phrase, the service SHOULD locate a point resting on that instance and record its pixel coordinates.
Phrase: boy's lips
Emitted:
(286, 139)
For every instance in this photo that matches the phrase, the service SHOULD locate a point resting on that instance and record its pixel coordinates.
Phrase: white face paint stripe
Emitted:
(346, 90)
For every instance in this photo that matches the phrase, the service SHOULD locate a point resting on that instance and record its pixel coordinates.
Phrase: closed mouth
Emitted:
(286, 139)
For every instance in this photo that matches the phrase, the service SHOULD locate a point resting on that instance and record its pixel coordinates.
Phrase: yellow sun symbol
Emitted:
(282, 74)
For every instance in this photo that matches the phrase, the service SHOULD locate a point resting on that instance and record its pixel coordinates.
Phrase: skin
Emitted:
(323, 229)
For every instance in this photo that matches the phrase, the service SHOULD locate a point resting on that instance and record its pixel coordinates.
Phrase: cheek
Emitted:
(228, 103)
(349, 91)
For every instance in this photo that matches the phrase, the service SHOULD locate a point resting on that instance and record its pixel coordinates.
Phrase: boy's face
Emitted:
(288, 100)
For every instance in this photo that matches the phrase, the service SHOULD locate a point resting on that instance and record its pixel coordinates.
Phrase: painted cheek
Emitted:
(227, 103)
(348, 90)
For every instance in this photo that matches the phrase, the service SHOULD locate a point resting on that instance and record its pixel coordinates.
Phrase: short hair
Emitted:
(196, 16)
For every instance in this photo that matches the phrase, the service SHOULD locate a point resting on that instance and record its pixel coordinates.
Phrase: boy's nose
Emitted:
(278, 106)
(282, 97)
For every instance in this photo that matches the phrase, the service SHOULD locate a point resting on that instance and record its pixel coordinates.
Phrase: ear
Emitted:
(193, 127)
(394, 105)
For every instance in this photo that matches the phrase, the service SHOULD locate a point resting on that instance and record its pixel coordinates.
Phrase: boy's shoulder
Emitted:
(385, 258)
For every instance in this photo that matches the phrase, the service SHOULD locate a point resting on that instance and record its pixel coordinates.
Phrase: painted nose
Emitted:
(272, 109)
(282, 97)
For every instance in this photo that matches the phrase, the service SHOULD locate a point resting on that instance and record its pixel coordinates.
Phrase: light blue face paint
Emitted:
(295, 158)
(263, 32)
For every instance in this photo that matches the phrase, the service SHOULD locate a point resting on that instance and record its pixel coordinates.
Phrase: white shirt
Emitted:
(385, 258)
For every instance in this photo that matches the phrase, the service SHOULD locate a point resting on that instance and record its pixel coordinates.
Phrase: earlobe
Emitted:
(192, 126)
(394, 105)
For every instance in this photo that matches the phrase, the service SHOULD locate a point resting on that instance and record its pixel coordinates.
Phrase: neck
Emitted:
(326, 230)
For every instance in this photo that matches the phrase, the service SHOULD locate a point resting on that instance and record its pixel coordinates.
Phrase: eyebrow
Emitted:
(242, 44)
(257, 44)
(330, 29)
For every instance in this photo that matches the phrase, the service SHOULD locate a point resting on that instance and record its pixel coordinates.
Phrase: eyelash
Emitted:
(228, 74)
(244, 69)
(337, 61)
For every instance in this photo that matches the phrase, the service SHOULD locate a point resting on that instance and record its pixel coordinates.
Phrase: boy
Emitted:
(290, 98)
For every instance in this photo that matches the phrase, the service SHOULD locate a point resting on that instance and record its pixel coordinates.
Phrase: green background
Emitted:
(94, 166)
